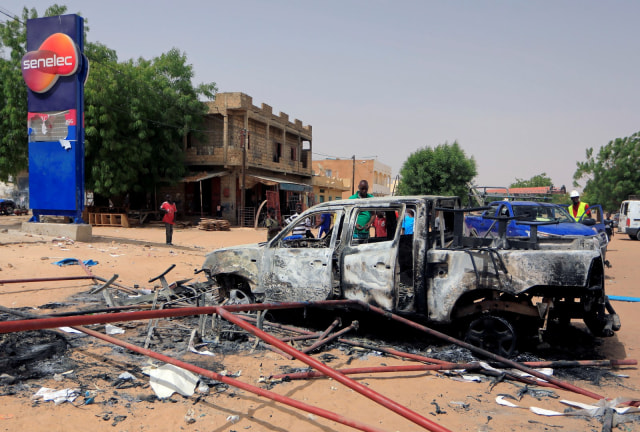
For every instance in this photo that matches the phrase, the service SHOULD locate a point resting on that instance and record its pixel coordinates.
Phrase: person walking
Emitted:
(169, 209)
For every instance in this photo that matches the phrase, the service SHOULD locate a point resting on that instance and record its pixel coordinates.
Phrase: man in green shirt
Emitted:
(365, 218)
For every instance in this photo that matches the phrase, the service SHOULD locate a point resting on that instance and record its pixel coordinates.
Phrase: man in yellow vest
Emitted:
(578, 209)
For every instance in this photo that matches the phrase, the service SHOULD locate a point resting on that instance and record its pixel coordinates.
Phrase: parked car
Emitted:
(630, 219)
(488, 287)
(551, 220)
(7, 206)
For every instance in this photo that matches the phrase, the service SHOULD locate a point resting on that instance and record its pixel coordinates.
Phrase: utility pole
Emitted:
(353, 175)
(244, 163)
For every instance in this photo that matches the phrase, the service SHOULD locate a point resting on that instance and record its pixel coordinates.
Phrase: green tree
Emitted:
(535, 181)
(137, 114)
(443, 170)
(13, 97)
(611, 174)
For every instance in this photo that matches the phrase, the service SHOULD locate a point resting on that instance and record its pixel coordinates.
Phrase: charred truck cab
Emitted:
(493, 288)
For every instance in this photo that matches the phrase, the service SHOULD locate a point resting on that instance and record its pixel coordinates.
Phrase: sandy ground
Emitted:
(138, 254)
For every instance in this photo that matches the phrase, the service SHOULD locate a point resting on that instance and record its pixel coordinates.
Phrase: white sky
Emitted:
(525, 87)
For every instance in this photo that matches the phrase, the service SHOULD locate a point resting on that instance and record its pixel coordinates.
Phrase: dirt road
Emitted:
(138, 254)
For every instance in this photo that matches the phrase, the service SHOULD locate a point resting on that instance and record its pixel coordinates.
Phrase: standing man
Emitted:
(408, 222)
(169, 209)
(578, 209)
(365, 218)
(273, 227)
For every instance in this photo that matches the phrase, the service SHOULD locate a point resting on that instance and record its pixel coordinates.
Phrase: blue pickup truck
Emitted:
(523, 213)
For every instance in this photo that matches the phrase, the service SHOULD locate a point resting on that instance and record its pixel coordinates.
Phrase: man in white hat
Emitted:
(578, 209)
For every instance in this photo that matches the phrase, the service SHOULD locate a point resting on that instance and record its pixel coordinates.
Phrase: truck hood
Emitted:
(242, 260)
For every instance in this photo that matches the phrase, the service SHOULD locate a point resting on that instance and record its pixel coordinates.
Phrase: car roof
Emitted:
(386, 200)
(528, 203)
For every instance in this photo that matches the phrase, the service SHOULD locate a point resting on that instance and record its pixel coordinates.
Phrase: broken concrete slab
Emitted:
(76, 232)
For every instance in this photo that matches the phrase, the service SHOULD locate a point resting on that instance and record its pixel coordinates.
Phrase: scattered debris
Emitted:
(214, 225)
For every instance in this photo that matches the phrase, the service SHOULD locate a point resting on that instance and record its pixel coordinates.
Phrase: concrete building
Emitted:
(248, 156)
(353, 170)
(327, 188)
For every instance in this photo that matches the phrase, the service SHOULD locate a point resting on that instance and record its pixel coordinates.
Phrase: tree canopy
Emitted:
(443, 170)
(535, 181)
(612, 173)
(137, 114)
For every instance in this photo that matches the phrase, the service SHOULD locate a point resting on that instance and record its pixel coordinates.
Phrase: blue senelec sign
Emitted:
(54, 70)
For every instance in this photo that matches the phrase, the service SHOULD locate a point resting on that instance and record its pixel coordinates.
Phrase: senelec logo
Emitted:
(57, 56)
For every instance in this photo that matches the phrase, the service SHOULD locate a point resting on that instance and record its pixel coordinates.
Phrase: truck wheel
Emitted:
(237, 296)
(492, 333)
(638, 235)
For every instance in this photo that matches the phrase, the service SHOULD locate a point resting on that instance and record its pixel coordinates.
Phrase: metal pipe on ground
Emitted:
(322, 341)
(483, 352)
(389, 351)
(36, 324)
(235, 383)
(49, 279)
(354, 385)
(218, 377)
(67, 278)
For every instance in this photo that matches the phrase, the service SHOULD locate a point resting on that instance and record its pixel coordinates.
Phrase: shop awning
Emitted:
(284, 184)
(204, 176)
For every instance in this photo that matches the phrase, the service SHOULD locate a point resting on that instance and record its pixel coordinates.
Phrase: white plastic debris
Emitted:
(193, 349)
(57, 396)
(126, 376)
(69, 330)
(113, 330)
(168, 379)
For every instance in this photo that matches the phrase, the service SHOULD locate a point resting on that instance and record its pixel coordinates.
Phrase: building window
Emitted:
(327, 173)
(277, 152)
(293, 153)
(321, 190)
(321, 198)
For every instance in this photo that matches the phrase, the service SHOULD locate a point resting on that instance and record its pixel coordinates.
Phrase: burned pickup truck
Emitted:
(491, 289)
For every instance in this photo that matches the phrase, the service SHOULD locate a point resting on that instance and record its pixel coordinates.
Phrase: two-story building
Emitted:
(353, 170)
(247, 155)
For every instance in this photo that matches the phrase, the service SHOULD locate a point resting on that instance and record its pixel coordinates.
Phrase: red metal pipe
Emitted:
(390, 351)
(43, 323)
(235, 383)
(354, 385)
(450, 366)
(50, 279)
(322, 341)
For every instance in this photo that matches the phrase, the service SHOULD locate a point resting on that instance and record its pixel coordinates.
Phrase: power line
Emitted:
(8, 13)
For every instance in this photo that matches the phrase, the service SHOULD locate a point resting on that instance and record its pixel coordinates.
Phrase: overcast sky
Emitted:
(525, 87)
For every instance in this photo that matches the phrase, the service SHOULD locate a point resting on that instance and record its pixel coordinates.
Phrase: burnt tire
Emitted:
(492, 333)
(599, 323)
